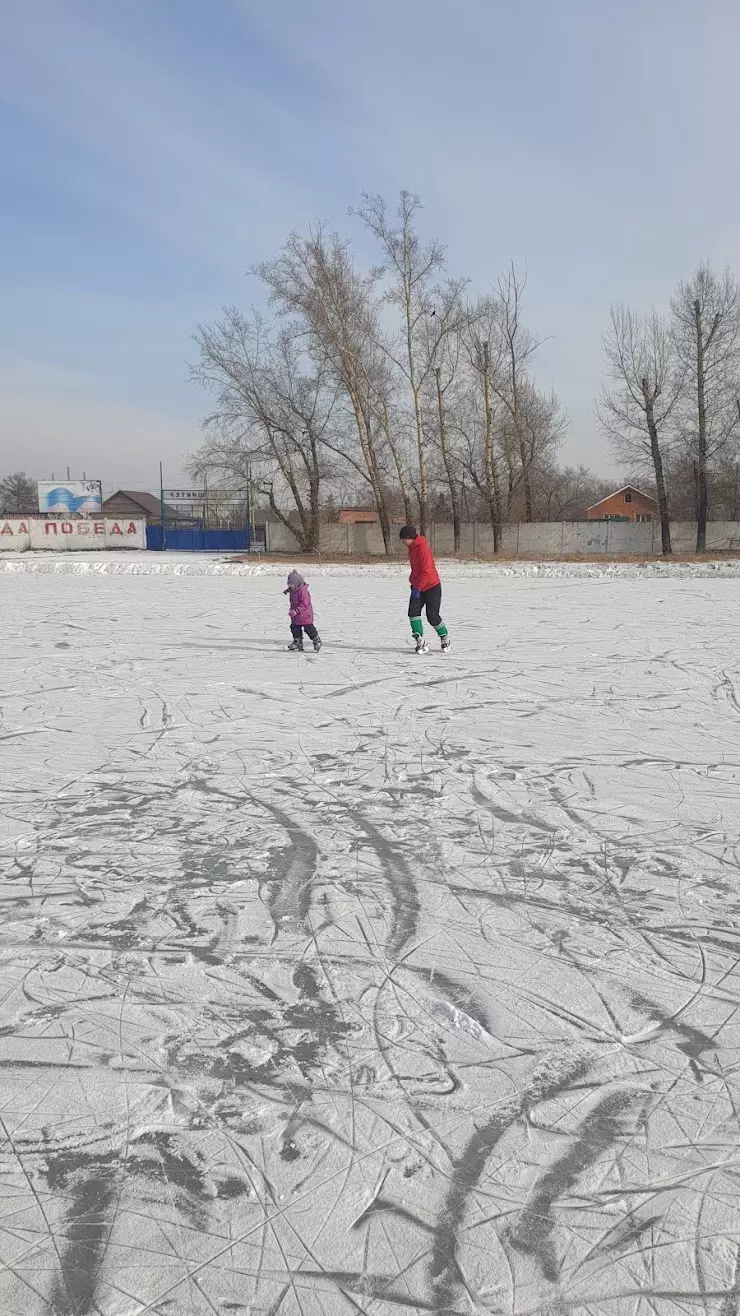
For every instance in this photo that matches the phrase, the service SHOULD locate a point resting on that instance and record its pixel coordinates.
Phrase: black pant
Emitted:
(431, 600)
(297, 631)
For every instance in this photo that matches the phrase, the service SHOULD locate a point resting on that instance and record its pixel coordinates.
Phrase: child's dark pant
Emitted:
(431, 600)
(297, 631)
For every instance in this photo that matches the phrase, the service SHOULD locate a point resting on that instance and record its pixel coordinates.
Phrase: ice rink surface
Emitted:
(363, 982)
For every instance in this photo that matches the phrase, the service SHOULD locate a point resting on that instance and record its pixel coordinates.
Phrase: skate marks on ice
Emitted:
(358, 990)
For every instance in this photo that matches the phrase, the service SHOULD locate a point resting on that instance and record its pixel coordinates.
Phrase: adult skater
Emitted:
(426, 589)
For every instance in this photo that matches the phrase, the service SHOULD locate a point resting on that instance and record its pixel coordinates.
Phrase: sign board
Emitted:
(212, 496)
(21, 535)
(70, 498)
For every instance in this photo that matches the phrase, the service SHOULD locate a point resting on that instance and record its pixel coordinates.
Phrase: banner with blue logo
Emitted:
(71, 497)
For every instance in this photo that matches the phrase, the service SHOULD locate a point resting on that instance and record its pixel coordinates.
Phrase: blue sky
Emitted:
(153, 150)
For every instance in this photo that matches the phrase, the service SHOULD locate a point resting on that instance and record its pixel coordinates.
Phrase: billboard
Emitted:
(71, 497)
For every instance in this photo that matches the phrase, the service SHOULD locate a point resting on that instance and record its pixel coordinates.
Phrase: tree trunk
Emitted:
(701, 465)
(407, 509)
(524, 459)
(492, 491)
(528, 511)
(517, 418)
(299, 534)
(665, 524)
(364, 434)
(454, 499)
(423, 498)
(314, 532)
(314, 527)
(377, 484)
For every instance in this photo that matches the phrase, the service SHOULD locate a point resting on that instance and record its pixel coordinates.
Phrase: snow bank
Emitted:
(189, 564)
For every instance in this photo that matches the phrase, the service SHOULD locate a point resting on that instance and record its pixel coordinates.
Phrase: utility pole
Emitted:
(161, 508)
(250, 509)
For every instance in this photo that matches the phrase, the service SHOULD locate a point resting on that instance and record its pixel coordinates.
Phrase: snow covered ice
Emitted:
(363, 982)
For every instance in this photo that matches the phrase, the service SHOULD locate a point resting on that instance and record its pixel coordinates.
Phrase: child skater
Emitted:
(301, 613)
(426, 589)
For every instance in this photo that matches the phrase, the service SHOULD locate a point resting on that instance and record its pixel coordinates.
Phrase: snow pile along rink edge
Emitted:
(188, 564)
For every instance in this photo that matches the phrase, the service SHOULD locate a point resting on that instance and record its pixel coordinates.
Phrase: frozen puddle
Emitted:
(362, 982)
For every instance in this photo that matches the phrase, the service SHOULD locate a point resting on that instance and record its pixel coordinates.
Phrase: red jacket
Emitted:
(421, 560)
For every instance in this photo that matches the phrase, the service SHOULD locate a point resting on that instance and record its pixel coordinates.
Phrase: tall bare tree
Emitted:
(18, 494)
(448, 460)
(426, 312)
(316, 279)
(542, 423)
(515, 346)
(444, 350)
(706, 331)
(638, 404)
(274, 410)
(477, 413)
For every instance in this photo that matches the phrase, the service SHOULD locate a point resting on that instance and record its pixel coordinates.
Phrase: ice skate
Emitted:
(421, 645)
(317, 644)
(296, 647)
(446, 643)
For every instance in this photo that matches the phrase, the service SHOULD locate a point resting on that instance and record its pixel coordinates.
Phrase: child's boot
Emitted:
(296, 647)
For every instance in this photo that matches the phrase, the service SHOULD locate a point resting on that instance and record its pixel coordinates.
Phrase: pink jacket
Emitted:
(301, 607)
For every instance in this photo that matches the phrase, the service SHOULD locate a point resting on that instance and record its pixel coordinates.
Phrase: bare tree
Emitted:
(274, 409)
(646, 380)
(444, 349)
(542, 423)
(476, 418)
(515, 348)
(427, 312)
(18, 494)
(447, 458)
(316, 279)
(706, 332)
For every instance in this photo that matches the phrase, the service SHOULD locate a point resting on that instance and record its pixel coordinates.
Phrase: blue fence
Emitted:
(198, 541)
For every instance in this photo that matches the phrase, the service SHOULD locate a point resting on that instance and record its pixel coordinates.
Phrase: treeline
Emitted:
(402, 388)
(671, 402)
(395, 387)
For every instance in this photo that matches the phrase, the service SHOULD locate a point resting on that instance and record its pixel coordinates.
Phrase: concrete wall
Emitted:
(540, 539)
(22, 535)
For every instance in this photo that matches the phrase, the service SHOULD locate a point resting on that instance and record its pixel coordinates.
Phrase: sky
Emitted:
(154, 150)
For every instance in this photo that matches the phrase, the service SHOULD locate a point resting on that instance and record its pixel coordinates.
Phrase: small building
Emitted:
(133, 502)
(358, 516)
(363, 516)
(627, 504)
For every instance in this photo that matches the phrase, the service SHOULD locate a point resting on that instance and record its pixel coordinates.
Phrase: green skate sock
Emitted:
(417, 626)
(441, 630)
